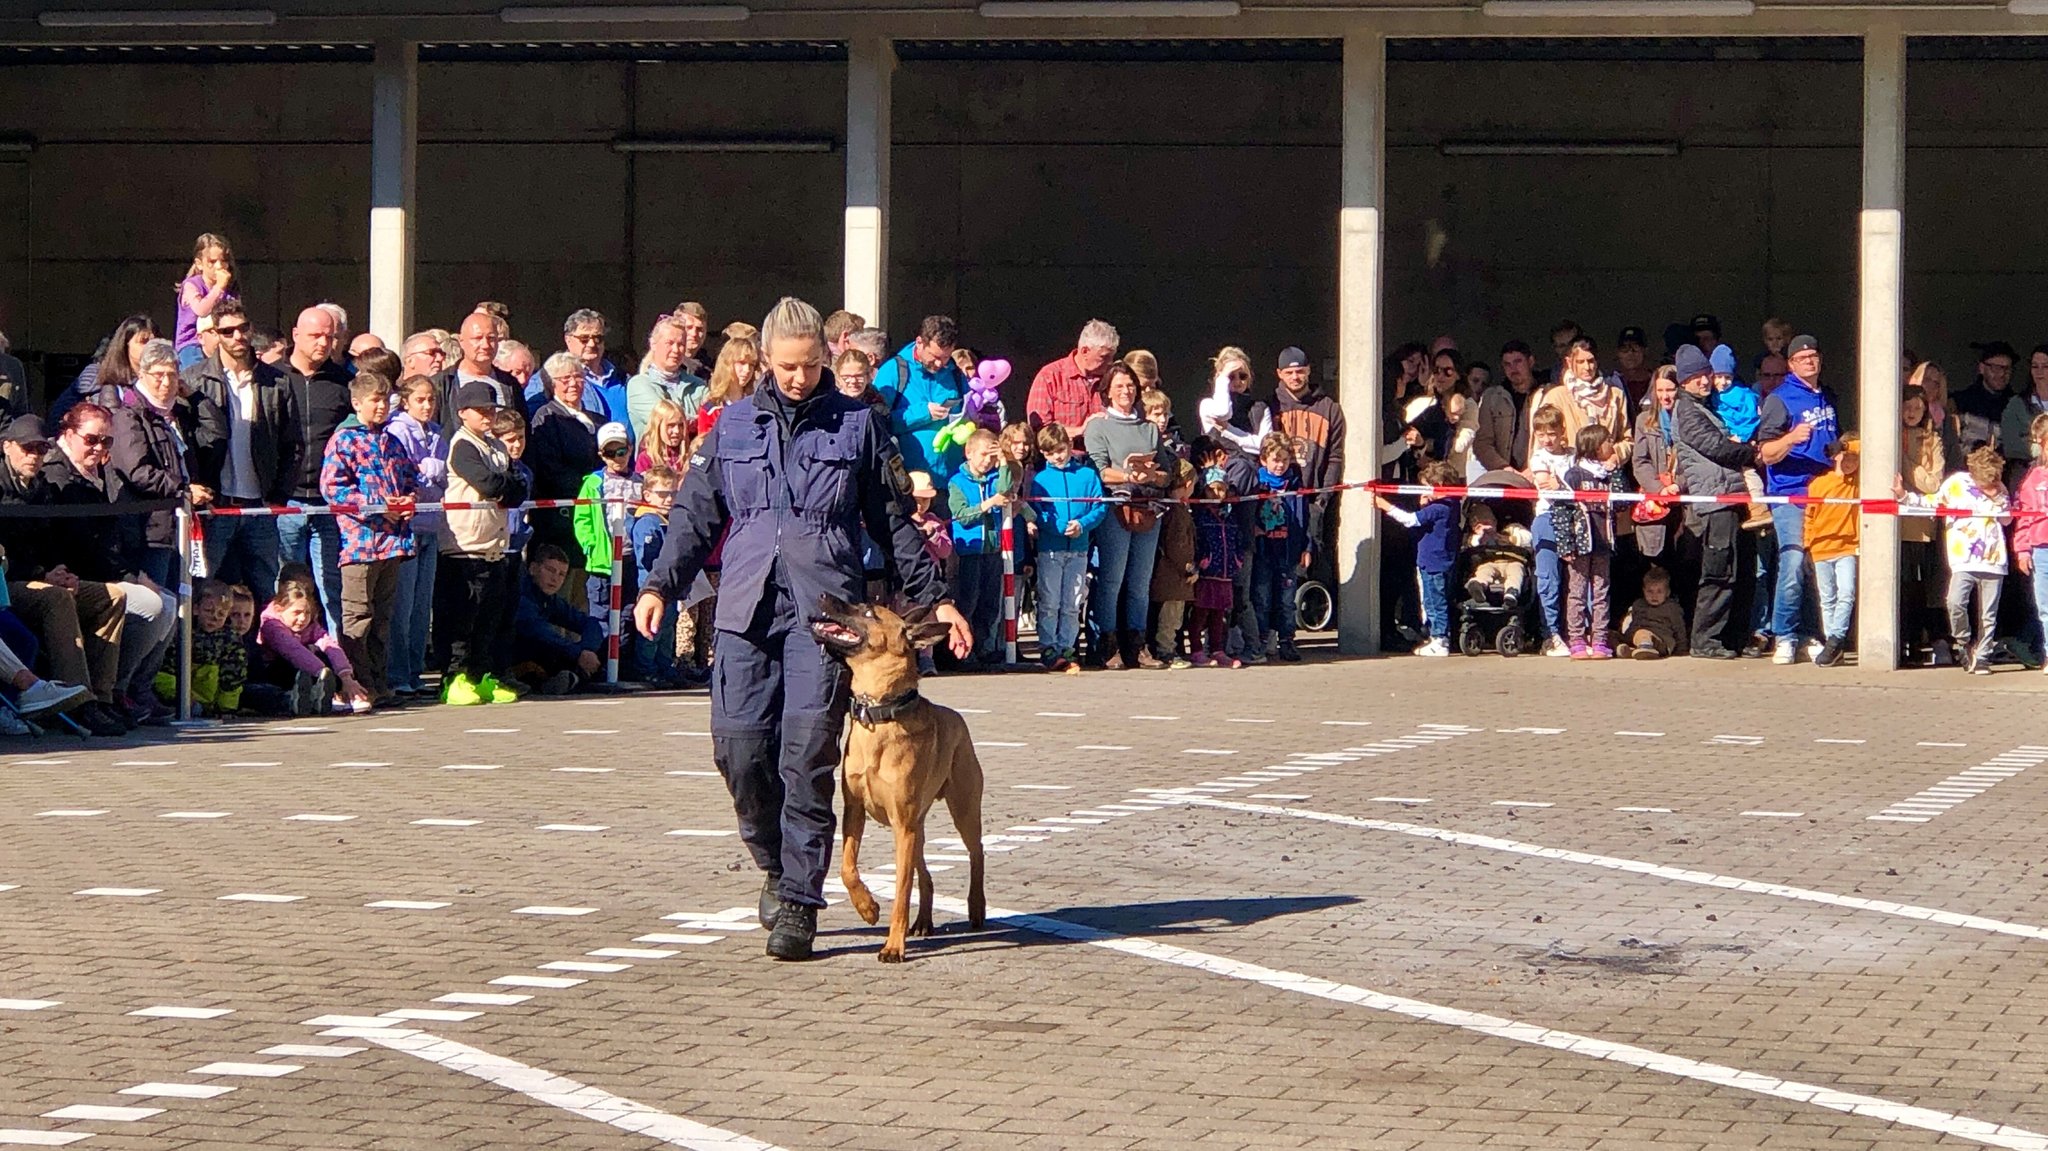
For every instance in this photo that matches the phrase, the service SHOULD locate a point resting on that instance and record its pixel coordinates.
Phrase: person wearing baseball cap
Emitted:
(1312, 420)
(595, 524)
(1710, 463)
(1706, 331)
(1794, 429)
(474, 587)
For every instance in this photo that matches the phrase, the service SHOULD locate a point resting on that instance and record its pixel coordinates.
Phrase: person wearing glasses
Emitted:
(266, 444)
(561, 449)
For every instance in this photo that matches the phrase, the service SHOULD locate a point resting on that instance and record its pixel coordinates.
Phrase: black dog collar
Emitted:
(869, 712)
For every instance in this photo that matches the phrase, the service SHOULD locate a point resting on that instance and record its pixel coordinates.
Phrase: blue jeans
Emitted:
(1549, 579)
(1766, 585)
(413, 612)
(1059, 583)
(1789, 599)
(1837, 595)
(1124, 579)
(315, 540)
(243, 550)
(1436, 602)
(1273, 587)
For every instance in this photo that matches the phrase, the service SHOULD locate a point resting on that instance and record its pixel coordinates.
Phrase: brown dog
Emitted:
(903, 752)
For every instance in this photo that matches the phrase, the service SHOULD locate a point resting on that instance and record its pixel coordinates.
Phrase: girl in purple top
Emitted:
(415, 429)
(209, 280)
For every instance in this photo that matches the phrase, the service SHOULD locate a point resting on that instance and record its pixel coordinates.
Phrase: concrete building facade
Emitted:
(1199, 173)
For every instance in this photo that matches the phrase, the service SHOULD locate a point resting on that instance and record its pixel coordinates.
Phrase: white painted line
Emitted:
(544, 982)
(1520, 803)
(312, 1050)
(407, 904)
(1647, 810)
(1275, 795)
(491, 731)
(997, 743)
(1847, 742)
(259, 897)
(569, 1095)
(1964, 785)
(120, 892)
(587, 770)
(591, 731)
(710, 774)
(343, 1021)
(1392, 799)
(1347, 723)
(482, 999)
(145, 763)
(1930, 743)
(471, 766)
(37, 762)
(1163, 718)
(580, 827)
(1776, 814)
(254, 763)
(1719, 1075)
(1042, 787)
(360, 763)
(971, 710)
(1063, 714)
(446, 822)
(1900, 818)
(544, 910)
(22, 1137)
(1653, 870)
(1234, 719)
(9, 886)
(249, 1070)
(71, 813)
(177, 1090)
(1640, 734)
(1070, 819)
(1102, 747)
(28, 1004)
(677, 939)
(429, 1015)
(1099, 812)
(182, 1012)
(397, 730)
(633, 952)
(314, 817)
(103, 1114)
(365, 1032)
(585, 968)
(195, 815)
(700, 833)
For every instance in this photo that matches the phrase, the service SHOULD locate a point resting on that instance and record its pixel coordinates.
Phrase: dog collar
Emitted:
(869, 712)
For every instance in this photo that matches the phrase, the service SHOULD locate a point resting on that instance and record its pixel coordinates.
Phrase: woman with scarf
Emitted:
(561, 449)
(662, 376)
(1134, 463)
(1587, 397)
(149, 459)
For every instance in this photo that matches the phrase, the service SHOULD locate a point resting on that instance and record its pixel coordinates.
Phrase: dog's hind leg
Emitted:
(849, 868)
(909, 861)
(963, 801)
(922, 925)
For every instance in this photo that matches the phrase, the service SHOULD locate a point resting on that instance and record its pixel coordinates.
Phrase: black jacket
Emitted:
(322, 401)
(560, 451)
(147, 463)
(1710, 463)
(89, 546)
(510, 393)
(277, 438)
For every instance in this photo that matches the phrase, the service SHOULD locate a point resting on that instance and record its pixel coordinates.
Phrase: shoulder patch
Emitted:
(898, 474)
(699, 460)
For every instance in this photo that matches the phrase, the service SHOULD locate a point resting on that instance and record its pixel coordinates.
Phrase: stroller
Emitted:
(1497, 573)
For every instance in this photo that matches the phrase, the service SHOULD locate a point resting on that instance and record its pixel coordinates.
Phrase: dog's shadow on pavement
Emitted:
(1179, 917)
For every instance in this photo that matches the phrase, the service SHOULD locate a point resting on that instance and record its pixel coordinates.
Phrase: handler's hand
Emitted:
(962, 642)
(647, 615)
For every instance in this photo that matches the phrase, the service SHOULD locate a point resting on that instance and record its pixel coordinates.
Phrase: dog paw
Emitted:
(864, 905)
(922, 929)
(890, 955)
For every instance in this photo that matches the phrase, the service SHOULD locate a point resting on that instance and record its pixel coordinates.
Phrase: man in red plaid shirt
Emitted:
(1063, 392)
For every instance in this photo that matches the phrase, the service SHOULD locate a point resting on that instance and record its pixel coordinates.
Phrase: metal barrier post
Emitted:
(1009, 584)
(188, 541)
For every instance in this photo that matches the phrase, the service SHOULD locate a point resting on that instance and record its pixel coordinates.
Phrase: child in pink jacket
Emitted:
(304, 668)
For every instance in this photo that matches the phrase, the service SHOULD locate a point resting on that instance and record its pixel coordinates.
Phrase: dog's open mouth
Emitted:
(835, 635)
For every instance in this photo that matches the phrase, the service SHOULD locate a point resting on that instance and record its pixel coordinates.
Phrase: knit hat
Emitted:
(1691, 362)
(1723, 360)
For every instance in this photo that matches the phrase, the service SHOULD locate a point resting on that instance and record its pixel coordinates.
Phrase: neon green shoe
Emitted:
(461, 691)
(491, 691)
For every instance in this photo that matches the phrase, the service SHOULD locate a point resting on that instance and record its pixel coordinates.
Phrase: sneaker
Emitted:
(1556, 648)
(1436, 648)
(1759, 646)
(1231, 662)
(461, 691)
(1786, 652)
(50, 695)
(492, 691)
(1599, 651)
(1177, 664)
(1813, 649)
(561, 683)
(1830, 654)
(1577, 650)
(13, 725)
(102, 720)
(1199, 659)
(361, 706)
(1943, 655)
(1253, 653)
(1287, 652)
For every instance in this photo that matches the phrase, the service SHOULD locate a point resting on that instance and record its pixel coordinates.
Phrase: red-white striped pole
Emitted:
(1009, 585)
(618, 592)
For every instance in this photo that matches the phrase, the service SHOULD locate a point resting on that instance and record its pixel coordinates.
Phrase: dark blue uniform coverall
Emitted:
(801, 487)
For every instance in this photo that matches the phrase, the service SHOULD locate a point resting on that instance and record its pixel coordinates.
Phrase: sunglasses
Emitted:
(231, 330)
(1240, 375)
(97, 441)
(615, 452)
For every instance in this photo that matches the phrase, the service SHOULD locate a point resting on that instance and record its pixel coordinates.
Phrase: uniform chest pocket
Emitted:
(743, 467)
(827, 464)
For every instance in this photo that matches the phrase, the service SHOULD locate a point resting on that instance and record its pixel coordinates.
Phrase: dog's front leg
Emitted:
(909, 857)
(922, 928)
(849, 867)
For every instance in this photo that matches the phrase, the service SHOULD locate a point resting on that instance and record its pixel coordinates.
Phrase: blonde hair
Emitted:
(206, 242)
(664, 412)
(1144, 365)
(1229, 354)
(2038, 430)
(1151, 399)
(1930, 379)
(725, 376)
(1985, 465)
(791, 319)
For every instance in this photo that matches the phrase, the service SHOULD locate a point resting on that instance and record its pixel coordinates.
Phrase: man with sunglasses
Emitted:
(265, 449)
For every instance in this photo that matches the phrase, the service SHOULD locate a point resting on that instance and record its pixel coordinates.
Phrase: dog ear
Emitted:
(928, 633)
(916, 616)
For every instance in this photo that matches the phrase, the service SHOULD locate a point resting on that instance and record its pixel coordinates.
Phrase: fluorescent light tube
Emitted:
(2028, 7)
(195, 18)
(1108, 9)
(664, 146)
(1560, 148)
(627, 14)
(1639, 9)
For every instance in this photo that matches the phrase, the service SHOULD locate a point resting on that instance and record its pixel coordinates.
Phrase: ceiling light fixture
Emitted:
(627, 14)
(1560, 148)
(1635, 9)
(659, 147)
(194, 18)
(1109, 9)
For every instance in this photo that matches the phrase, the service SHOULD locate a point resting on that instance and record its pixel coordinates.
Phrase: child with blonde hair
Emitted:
(1977, 555)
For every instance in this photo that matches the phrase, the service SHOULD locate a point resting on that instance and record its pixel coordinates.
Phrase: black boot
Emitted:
(771, 903)
(796, 924)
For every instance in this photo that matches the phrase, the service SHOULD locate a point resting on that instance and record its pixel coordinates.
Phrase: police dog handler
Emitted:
(801, 475)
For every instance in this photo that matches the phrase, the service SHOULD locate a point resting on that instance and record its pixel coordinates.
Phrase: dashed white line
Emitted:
(259, 897)
(102, 1114)
(195, 815)
(1775, 814)
(71, 813)
(120, 892)
(407, 905)
(172, 1012)
(1397, 799)
(575, 827)
(1646, 810)
(1102, 747)
(1521, 803)
(544, 910)
(1640, 734)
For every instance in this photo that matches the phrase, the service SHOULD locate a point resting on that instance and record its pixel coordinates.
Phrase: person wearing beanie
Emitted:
(1710, 463)
(1736, 405)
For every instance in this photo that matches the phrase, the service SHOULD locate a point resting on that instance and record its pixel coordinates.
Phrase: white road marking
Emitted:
(23, 1137)
(1737, 740)
(692, 771)
(1848, 742)
(407, 904)
(168, 1012)
(491, 731)
(481, 999)
(1939, 797)
(429, 1015)
(1719, 1075)
(996, 743)
(1102, 747)
(145, 763)
(446, 822)
(1064, 714)
(1275, 795)
(37, 762)
(195, 815)
(1521, 803)
(578, 965)
(28, 1004)
(315, 817)
(1776, 814)
(675, 939)
(103, 1114)
(71, 813)
(587, 770)
(471, 766)
(543, 910)
(120, 892)
(362, 762)
(570, 1095)
(1165, 718)
(1647, 810)
(633, 953)
(177, 1090)
(1640, 734)
(397, 730)
(312, 1050)
(1931, 743)
(1653, 870)
(590, 731)
(259, 897)
(1388, 799)
(1236, 720)
(249, 1070)
(544, 982)
(254, 763)
(1347, 723)
(581, 827)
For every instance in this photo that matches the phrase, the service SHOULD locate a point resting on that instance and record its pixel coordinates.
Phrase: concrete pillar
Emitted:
(870, 65)
(1880, 340)
(394, 139)
(1359, 229)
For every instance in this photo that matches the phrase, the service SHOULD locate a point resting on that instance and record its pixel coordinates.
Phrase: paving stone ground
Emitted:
(1376, 904)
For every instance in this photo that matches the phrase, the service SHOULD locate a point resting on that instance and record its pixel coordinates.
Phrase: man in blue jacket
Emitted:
(791, 477)
(925, 391)
(1796, 426)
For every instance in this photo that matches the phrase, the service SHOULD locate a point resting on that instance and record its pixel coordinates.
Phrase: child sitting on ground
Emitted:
(1498, 577)
(1218, 556)
(614, 483)
(1654, 626)
(1831, 542)
(1976, 549)
(304, 668)
(1067, 494)
(220, 666)
(1436, 550)
(1588, 554)
(559, 646)
(242, 618)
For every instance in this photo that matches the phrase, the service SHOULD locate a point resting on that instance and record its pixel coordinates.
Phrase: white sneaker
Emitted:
(1785, 652)
(1556, 648)
(1813, 650)
(13, 725)
(50, 695)
(1434, 648)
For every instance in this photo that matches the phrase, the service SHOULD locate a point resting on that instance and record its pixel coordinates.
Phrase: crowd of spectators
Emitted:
(326, 578)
